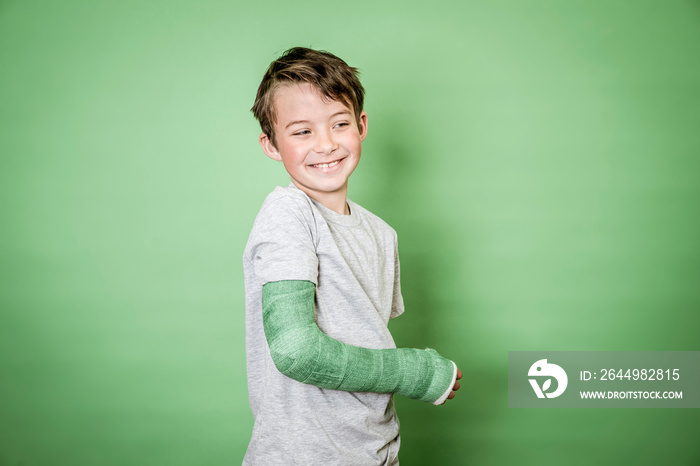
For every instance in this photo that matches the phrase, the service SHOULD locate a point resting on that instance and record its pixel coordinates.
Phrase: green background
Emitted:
(539, 161)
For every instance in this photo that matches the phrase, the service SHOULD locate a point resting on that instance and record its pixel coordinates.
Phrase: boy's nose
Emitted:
(325, 144)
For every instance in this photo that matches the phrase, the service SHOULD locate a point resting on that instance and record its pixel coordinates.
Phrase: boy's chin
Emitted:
(322, 188)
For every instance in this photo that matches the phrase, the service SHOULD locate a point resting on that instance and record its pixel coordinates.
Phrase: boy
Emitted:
(322, 282)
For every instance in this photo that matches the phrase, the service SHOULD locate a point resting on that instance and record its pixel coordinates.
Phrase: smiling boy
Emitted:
(318, 140)
(322, 282)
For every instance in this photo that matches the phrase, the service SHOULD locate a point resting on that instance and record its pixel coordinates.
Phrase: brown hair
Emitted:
(333, 77)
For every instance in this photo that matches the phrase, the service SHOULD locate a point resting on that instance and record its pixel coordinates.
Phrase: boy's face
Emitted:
(318, 140)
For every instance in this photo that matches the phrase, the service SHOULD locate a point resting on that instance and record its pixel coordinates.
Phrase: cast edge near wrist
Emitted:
(444, 396)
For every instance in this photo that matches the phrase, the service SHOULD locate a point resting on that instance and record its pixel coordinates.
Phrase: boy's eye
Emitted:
(302, 132)
(343, 123)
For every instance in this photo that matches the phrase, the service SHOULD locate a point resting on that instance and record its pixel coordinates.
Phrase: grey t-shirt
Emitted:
(353, 261)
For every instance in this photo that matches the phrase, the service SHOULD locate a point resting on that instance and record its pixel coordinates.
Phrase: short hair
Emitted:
(329, 74)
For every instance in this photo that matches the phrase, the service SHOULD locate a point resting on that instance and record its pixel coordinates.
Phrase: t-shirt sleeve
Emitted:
(397, 302)
(281, 245)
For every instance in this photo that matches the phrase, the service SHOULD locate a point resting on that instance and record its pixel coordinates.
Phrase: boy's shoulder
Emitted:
(287, 205)
(285, 212)
(282, 203)
(284, 196)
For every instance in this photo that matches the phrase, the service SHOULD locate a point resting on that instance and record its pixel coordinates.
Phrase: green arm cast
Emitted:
(300, 350)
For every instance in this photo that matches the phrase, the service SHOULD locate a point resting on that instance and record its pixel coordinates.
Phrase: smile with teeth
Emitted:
(326, 165)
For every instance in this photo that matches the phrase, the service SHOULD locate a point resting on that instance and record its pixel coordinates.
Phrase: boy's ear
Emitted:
(363, 126)
(269, 148)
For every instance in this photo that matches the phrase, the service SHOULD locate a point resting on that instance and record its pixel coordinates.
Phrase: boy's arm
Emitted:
(300, 350)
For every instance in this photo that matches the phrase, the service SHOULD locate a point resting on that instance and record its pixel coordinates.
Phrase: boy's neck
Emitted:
(335, 201)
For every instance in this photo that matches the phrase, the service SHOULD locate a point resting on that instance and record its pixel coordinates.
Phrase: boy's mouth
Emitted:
(329, 164)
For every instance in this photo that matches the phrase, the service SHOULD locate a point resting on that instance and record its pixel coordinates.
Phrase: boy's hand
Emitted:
(455, 387)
